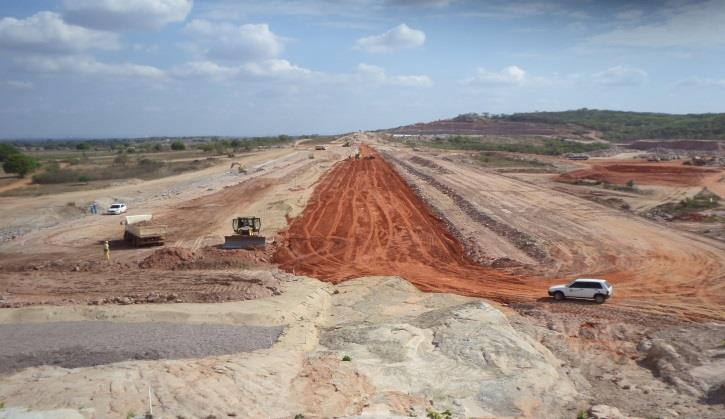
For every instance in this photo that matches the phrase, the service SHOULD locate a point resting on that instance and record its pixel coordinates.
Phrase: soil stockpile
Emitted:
(133, 286)
(82, 344)
(642, 173)
(363, 219)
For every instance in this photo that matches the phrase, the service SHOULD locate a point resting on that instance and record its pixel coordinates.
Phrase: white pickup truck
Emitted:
(597, 289)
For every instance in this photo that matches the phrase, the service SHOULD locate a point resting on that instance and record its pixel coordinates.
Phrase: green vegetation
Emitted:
(20, 164)
(299, 416)
(545, 146)
(699, 202)
(122, 168)
(7, 150)
(178, 145)
(494, 159)
(346, 358)
(626, 126)
(432, 414)
(582, 414)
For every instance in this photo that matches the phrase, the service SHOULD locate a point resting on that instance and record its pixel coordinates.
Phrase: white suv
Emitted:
(597, 289)
(117, 208)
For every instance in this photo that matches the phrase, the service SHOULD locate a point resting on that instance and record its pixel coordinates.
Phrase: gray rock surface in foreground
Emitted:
(88, 343)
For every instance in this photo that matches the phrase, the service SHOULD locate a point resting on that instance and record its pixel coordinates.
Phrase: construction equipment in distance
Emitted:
(139, 230)
(247, 237)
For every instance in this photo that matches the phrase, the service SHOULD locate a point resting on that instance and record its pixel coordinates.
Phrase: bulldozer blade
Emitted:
(244, 242)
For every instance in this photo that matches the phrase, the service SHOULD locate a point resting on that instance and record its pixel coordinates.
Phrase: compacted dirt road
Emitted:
(363, 219)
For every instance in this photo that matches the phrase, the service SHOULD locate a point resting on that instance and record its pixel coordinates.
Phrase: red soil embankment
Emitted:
(363, 219)
(640, 173)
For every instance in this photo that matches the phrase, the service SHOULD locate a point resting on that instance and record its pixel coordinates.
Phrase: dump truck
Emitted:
(247, 237)
(140, 230)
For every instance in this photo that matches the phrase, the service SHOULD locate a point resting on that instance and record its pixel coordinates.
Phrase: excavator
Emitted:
(247, 234)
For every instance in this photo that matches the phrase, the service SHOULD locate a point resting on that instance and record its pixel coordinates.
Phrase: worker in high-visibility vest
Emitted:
(107, 251)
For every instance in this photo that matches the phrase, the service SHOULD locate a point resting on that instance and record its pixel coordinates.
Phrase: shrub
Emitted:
(446, 414)
(7, 150)
(582, 414)
(83, 146)
(121, 159)
(178, 145)
(20, 164)
(346, 358)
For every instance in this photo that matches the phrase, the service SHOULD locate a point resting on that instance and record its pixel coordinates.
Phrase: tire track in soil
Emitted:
(363, 219)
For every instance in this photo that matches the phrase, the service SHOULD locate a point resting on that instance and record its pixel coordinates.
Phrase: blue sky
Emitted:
(116, 68)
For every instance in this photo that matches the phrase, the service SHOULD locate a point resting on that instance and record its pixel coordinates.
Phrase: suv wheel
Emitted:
(599, 298)
(558, 296)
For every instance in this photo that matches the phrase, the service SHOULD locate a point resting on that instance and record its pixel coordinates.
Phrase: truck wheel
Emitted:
(599, 298)
(558, 296)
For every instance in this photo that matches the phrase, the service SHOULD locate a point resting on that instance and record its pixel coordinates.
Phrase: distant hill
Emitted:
(475, 124)
(613, 125)
(628, 126)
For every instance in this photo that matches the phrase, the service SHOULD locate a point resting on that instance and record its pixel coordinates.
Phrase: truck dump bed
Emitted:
(141, 230)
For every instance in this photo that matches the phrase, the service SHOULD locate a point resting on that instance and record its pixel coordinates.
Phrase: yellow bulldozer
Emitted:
(247, 234)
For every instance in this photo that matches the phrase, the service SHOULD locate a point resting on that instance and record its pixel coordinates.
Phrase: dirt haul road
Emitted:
(654, 268)
(363, 219)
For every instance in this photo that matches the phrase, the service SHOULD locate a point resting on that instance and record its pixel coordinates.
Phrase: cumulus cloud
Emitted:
(397, 38)
(367, 73)
(126, 14)
(620, 76)
(277, 68)
(46, 32)
(204, 69)
(510, 76)
(685, 24)
(227, 41)
(86, 65)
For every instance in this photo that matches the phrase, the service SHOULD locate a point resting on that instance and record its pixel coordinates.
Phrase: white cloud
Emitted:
(278, 68)
(367, 73)
(46, 32)
(228, 41)
(510, 76)
(16, 85)
(701, 82)
(685, 24)
(400, 37)
(126, 14)
(620, 76)
(85, 65)
(204, 69)
(420, 3)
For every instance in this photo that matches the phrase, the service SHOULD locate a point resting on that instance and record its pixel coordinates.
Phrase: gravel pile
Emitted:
(87, 343)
